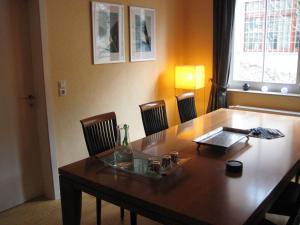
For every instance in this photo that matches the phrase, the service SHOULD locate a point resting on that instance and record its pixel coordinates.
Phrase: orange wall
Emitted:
(95, 89)
(184, 36)
(198, 43)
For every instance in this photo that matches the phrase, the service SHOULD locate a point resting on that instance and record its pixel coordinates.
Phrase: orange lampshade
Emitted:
(190, 77)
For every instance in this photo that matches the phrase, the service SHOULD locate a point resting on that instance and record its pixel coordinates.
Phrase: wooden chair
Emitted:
(288, 204)
(100, 133)
(154, 117)
(186, 107)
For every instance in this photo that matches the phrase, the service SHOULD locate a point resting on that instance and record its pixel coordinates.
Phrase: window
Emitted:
(266, 44)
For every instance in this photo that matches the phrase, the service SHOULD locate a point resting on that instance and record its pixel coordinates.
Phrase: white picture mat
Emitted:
(137, 53)
(102, 50)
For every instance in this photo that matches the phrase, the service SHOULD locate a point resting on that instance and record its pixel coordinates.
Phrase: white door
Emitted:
(21, 176)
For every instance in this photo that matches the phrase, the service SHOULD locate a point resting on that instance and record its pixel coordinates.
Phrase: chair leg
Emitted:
(122, 213)
(297, 178)
(294, 218)
(133, 219)
(98, 211)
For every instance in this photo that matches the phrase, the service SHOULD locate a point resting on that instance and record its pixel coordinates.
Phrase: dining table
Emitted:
(201, 191)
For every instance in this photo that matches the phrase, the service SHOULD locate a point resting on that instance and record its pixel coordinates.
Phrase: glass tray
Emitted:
(138, 164)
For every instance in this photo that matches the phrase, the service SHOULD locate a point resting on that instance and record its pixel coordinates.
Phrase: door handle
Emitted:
(30, 99)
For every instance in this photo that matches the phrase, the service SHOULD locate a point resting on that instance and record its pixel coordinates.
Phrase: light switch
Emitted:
(62, 88)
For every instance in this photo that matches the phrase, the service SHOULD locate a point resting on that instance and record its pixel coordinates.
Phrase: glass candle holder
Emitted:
(166, 161)
(154, 165)
(174, 156)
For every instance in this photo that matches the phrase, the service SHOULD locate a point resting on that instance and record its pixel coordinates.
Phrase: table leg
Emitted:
(133, 218)
(70, 202)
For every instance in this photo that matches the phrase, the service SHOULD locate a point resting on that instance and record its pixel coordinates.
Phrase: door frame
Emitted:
(48, 98)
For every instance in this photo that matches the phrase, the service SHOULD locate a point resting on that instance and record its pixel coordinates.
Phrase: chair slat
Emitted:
(103, 133)
(99, 142)
(96, 133)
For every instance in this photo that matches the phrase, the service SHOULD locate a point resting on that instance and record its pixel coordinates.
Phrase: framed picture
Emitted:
(142, 34)
(108, 33)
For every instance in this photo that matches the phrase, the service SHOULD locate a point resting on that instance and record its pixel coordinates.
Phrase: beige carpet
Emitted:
(45, 212)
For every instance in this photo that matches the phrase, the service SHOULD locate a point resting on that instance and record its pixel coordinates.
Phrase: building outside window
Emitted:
(266, 43)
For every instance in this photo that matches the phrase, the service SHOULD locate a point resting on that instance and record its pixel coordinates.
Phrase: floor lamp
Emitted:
(190, 78)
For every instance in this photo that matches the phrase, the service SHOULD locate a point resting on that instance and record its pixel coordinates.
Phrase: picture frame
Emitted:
(108, 33)
(142, 34)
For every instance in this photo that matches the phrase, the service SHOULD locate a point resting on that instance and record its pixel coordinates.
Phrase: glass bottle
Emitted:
(123, 150)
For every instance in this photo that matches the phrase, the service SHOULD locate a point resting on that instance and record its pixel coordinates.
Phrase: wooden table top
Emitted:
(201, 192)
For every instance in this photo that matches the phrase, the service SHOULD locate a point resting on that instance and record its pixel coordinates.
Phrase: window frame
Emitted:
(272, 87)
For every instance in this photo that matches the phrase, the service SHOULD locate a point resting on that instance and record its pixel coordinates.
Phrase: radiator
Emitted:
(265, 110)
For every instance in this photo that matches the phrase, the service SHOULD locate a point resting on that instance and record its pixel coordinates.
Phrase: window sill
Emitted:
(263, 93)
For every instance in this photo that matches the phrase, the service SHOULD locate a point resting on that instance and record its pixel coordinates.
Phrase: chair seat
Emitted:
(288, 200)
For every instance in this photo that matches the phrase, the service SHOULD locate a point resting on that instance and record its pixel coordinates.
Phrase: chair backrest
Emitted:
(154, 117)
(100, 132)
(186, 107)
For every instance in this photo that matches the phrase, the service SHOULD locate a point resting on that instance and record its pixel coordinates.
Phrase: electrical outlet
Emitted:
(62, 92)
